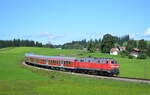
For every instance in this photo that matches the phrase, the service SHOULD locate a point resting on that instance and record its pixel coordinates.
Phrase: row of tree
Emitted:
(107, 42)
(82, 44)
(104, 44)
(18, 43)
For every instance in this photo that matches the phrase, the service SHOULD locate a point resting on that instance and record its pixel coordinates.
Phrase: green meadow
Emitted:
(17, 79)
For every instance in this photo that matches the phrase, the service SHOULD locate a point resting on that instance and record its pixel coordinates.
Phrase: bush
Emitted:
(124, 53)
(130, 56)
(142, 56)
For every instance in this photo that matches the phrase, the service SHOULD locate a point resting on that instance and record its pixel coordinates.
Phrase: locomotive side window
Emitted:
(107, 62)
(113, 62)
(81, 60)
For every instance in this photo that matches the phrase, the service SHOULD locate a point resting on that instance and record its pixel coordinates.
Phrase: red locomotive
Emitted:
(101, 66)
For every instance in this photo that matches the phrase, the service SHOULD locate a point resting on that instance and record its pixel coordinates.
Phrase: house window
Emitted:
(99, 61)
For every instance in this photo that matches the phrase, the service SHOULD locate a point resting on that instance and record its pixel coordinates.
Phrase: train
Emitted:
(89, 65)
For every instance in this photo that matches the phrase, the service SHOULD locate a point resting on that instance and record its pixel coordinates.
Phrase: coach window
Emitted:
(69, 62)
(89, 61)
(61, 62)
(65, 62)
(37, 60)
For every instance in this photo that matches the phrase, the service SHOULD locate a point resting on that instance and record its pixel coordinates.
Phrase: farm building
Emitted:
(135, 52)
(115, 51)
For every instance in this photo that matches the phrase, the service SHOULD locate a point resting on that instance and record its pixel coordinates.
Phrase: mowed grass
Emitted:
(17, 79)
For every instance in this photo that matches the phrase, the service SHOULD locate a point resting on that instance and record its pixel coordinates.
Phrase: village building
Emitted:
(135, 52)
(115, 51)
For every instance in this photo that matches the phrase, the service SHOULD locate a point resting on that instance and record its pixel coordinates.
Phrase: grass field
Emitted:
(16, 79)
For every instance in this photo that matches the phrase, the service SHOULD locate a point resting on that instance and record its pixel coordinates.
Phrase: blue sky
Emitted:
(60, 21)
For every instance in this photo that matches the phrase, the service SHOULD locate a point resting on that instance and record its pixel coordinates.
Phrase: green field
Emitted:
(17, 79)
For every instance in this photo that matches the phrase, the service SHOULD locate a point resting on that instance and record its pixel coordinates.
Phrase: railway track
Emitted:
(137, 80)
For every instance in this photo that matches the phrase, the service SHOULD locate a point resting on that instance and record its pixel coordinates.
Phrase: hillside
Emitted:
(16, 79)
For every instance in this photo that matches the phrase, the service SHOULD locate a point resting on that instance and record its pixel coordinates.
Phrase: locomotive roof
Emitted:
(73, 58)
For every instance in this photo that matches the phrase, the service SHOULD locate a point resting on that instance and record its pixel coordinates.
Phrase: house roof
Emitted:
(136, 49)
(114, 49)
(122, 47)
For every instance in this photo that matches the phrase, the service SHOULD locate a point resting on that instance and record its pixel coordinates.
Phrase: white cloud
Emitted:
(46, 35)
(147, 33)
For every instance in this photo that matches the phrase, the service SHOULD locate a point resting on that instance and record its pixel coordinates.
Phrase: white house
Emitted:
(135, 52)
(115, 51)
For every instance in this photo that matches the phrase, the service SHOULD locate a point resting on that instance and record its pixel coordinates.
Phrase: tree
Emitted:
(124, 53)
(49, 45)
(18, 42)
(142, 55)
(148, 50)
(130, 45)
(107, 43)
(130, 56)
(142, 44)
(91, 47)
